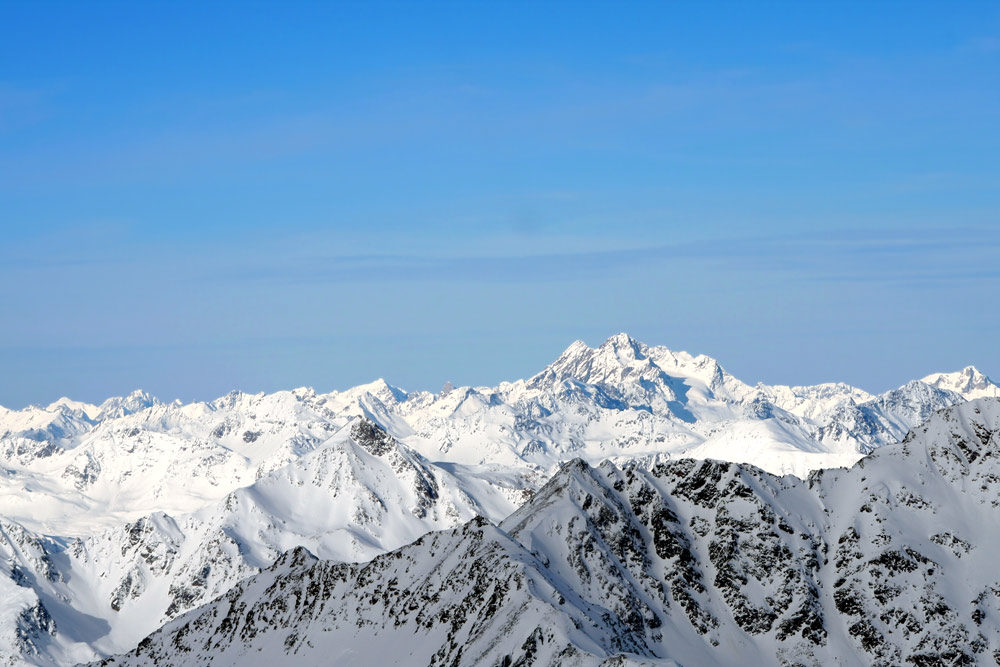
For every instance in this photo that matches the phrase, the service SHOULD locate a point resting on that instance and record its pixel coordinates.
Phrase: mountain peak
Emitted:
(624, 347)
(91, 411)
(970, 382)
(372, 437)
(958, 436)
(121, 406)
(575, 350)
(384, 391)
(594, 365)
(620, 342)
(621, 339)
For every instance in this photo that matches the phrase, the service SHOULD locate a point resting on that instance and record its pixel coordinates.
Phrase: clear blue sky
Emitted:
(196, 197)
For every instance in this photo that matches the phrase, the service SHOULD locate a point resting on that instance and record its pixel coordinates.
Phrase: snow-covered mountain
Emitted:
(693, 563)
(73, 469)
(115, 519)
(968, 382)
(357, 495)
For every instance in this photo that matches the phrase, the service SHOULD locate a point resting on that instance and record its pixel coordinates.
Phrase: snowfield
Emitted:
(694, 563)
(486, 503)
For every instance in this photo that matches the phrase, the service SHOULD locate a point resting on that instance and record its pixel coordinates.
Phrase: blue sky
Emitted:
(196, 197)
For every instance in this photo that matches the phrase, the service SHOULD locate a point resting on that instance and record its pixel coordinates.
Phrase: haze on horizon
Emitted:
(198, 198)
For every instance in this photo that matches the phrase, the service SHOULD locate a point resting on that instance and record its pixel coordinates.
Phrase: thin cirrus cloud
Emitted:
(930, 255)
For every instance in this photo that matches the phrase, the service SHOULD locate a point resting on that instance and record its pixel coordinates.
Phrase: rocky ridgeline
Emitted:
(890, 562)
(120, 517)
(357, 496)
(90, 467)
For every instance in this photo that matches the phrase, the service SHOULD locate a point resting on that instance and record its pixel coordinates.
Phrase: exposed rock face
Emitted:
(90, 468)
(74, 600)
(890, 562)
(372, 437)
(118, 518)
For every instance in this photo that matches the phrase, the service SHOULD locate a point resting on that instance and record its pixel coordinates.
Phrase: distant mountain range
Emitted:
(116, 519)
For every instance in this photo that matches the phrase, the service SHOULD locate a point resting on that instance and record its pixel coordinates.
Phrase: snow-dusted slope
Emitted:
(143, 456)
(695, 563)
(74, 469)
(627, 400)
(357, 495)
(968, 382)
(117, 518)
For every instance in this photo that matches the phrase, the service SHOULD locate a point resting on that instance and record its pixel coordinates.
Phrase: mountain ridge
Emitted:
(968, 380)
(115, 527)
(84, 465)
(691, 562)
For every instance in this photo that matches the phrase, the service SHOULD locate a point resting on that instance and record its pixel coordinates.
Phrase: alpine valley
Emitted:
(627, 505)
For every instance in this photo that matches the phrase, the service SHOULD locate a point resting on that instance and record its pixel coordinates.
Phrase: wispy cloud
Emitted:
(852, 256)
(54, 262)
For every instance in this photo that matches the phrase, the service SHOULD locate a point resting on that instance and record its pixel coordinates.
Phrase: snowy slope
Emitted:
(73, 469)
(116, 518)
(357, 495)
(626, 399)
(968, 382)
(694, 563)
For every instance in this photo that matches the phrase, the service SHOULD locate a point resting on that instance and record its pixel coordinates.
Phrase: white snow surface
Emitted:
(968, 382)
(890, 562)
(73, 469)
(118, 518)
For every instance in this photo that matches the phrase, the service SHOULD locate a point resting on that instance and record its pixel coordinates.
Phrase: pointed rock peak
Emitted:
(620, 361)
(140, 400)
(914, 385)
(576, 356)
(705, 361)
(958, 435)
(587, 487)
(230, 400)
(298, 557)
(64, 403)
(625, 345)
(621, 346)
(384, 391)
(919, 393)
(304, 392)
(970, 382)
(120, 406)
(574, 465)
(974, 377)
(576, 349)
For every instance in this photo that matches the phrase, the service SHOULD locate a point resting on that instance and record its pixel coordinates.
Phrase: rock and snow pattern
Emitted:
(118, 518)
(890, 562)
